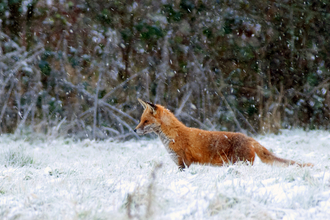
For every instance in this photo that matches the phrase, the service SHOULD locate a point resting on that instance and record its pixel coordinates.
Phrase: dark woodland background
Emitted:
(76, 68)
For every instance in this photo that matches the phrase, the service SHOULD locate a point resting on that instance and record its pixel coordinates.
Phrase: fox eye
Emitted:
(146, 121)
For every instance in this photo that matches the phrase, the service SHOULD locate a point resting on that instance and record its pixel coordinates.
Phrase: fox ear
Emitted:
(150, 105)
(143, 103)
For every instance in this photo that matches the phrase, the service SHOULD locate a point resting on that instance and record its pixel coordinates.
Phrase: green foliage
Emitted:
(44, 67)
(228, 26)
(3, 8)
(105, 17)
(208, 33)
(312, 79)
(149, 32)
(11, 2)
(171, 14)
(126, 34)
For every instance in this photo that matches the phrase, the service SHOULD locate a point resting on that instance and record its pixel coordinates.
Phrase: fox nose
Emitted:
(135, 130)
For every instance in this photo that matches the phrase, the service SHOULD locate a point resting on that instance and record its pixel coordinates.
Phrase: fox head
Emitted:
(149, 120)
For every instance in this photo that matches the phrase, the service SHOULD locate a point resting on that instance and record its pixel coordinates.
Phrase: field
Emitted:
(47, 178)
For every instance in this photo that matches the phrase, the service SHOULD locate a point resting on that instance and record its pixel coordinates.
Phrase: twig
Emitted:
(89, 96)
(246, 121)
(124, 123)
(18, 99)
(227, 104)
(322, 84)
(276, 113)
(117, 110)
(18, 65)
(129, 204)
(27, 112)
(184, 100)
(2, 34)
(195, 120)
(82, 115)
(110, 129)
(5, 102)
(150, 190)
(96, 102)
(59, 124)
(122, 84)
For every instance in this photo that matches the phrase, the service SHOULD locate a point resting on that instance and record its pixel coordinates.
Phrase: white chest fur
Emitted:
(166, 142)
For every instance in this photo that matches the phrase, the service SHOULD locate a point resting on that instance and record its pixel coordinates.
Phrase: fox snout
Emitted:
(142, 129)
(139, 129)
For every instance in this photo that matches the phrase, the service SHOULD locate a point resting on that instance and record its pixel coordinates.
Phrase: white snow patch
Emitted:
(110, 180)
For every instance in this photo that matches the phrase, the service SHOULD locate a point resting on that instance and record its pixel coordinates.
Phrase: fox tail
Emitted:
(269, 158)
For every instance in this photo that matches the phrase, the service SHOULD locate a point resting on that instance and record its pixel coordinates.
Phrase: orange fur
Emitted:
(191, 145)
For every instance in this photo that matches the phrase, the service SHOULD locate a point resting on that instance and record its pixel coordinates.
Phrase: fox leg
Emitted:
(183, 164)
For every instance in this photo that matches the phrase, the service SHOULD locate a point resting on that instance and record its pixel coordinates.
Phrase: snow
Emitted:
(46, 178)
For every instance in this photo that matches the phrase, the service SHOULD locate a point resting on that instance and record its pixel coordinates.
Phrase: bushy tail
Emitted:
(268, 157)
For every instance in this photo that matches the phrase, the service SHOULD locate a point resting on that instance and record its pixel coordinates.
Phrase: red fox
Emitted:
(191, 145)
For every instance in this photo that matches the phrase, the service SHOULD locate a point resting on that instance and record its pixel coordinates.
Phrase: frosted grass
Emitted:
(63, 179)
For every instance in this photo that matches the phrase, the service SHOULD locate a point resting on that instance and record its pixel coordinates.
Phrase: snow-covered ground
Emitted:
(63, 179)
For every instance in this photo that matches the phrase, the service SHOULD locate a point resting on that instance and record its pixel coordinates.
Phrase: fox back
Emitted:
(187, 145)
